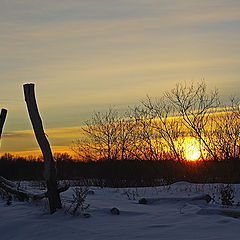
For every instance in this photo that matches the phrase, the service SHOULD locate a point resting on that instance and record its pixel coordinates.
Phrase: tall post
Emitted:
(49, 164)
(3, 116)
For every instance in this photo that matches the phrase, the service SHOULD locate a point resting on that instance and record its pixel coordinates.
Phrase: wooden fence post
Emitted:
(49, 164)
(3, 116)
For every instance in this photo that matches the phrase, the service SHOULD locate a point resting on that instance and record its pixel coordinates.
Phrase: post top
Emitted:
(28, 84)
(3, 110)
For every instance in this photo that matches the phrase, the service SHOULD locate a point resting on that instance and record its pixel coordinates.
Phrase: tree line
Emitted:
(125, 173)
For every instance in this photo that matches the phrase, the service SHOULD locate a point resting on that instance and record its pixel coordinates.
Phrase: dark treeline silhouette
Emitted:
(20, 168)
(122, 173)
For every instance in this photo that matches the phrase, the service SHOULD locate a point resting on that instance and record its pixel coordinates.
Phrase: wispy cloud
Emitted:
(17, 134)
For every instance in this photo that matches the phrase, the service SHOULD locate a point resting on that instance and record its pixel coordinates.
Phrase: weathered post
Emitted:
(49, 164)
(3, 116)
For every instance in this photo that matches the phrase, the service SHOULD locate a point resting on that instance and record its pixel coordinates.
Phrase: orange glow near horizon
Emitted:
(37, 152)
(191, 149)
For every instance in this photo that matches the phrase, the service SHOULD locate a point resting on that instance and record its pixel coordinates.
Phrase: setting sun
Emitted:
(191, 149)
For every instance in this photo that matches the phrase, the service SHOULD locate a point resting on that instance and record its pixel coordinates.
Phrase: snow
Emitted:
(171, 213)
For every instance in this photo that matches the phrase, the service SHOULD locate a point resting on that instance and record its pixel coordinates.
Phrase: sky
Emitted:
(87, 55)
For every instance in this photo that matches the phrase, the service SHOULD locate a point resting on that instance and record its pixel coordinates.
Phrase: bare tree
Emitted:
(146, 144)
(86, 149)
(106, 136)
(166, 129)
(126, 130)
(224, 131)
(160, 128)
(194, 104)
(102, 132)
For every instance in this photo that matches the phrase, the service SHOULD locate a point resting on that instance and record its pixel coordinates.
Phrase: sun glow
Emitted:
(191, 149)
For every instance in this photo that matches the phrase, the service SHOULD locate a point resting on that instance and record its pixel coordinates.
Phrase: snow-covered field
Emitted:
(171, 213)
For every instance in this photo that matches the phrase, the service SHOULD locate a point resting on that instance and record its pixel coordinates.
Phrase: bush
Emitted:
(78, 202)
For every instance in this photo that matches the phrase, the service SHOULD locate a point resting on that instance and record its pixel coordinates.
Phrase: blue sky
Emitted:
(87, 55)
